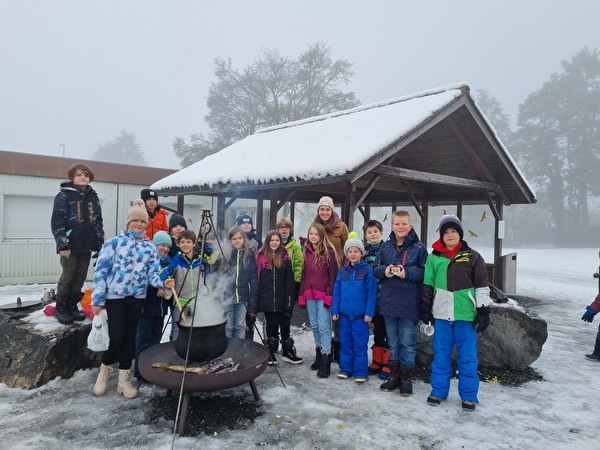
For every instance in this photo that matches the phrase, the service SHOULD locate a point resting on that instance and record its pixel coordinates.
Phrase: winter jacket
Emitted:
(156, 306)
(244, 278)
(77, 219)
(337, 233)
(355, 291)
(371, 253)
(188, 275)
(295, 253)
(157, 221)
(400, 297)
(275, 287)
(317, 279)
(455, 286)
(254, 241)
(125, 267)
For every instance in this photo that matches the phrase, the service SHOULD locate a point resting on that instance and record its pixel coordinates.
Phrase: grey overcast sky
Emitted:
(77, 72)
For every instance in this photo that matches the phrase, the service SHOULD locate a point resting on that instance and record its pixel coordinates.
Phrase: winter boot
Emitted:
(102, 381)
(289, 352)
(272, 345)
(325, 366)
(394, 379)
(61, 311)
(72, 302)
(385, 370)
(335, 350)
(125, 387)
(317, 363)
(377, 361)
(406, 388)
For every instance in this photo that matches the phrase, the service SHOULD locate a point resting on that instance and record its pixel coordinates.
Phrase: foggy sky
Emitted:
(78, 72)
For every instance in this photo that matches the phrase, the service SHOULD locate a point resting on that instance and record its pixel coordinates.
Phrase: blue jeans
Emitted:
(402, 339)
(320, 322)
(447, 334)
(236, 321)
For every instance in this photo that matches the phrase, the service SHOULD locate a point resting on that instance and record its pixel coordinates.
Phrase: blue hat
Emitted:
(162, 237)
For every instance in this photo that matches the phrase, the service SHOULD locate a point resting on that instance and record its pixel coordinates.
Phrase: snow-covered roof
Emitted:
(347, 145)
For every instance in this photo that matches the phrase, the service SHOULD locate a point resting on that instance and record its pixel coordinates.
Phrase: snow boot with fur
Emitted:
(61, 311)
(101, 385)
(325, 366)
(394, 379)
(315, 365)
(289, 352)
(125, 387)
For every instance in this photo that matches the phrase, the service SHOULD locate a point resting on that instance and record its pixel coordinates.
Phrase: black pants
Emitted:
(276, 323)
(379, 334)
(123, 317)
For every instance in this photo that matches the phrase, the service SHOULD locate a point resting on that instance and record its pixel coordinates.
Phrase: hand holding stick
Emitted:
(184, 319)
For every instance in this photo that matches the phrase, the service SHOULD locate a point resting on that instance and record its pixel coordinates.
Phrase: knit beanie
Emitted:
(147, 193)
(325, 201)
(354, 241)
(177, 219)
(137, 212)
(162, 237)
(244, 218)
(450, 221)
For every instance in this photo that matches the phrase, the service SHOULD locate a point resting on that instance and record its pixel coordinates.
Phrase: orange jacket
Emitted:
(157, 221)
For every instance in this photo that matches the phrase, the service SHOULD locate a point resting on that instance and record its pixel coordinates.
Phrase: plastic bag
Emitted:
(98, 338)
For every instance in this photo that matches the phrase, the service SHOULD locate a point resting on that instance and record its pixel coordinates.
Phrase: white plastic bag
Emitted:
(98, 338)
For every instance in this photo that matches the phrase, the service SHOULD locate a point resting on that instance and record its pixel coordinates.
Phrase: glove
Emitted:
(482, 319)
(589, 314)
(425, 313)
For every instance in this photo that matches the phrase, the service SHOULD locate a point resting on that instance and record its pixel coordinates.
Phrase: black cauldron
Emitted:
(207, 342)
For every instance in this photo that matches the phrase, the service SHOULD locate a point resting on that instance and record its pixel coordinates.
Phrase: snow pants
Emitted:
(462, 334)
(354, 337)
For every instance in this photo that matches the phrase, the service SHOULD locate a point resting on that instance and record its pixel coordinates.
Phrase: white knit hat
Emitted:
(325, 201)
(137, 212)
(354, 241)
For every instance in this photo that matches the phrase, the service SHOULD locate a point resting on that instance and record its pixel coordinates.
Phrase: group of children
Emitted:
(336, 276)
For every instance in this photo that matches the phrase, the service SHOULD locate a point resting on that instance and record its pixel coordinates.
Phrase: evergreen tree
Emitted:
(122, 150)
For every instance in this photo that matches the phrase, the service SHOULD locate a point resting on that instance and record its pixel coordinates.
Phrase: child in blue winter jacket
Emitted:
(354, 299)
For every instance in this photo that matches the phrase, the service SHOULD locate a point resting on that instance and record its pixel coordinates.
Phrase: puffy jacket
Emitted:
(371, 253)
(317, 278)
(157, 221)
(244, 278)
(355, 291)
(455, 286)
(125, 267)
(156, 306)
(275, 287)
(188, 275)
(400, 297)
(295, 252)
(77, 219)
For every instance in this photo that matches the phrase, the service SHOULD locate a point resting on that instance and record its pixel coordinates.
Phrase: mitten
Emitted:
(588, 315)
(425, 313)
(482, 319)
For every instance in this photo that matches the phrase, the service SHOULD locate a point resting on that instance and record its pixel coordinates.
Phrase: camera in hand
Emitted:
(396, 270)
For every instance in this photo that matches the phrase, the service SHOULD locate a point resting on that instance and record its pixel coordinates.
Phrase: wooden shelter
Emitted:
(434, 147)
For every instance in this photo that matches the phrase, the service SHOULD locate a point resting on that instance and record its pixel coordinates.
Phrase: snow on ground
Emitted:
(557, 413)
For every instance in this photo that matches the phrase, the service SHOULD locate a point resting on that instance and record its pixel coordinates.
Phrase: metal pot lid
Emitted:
(20, 304)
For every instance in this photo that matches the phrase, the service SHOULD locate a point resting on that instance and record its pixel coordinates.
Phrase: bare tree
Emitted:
(272, 90)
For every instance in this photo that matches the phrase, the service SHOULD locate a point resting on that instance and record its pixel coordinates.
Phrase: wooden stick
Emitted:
(178, 368)
(184, 319)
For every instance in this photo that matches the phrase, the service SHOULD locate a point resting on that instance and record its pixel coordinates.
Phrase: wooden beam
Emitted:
(436, 178)
(289, 195)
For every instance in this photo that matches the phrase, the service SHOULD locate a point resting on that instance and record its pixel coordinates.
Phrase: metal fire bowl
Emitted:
(252, 355)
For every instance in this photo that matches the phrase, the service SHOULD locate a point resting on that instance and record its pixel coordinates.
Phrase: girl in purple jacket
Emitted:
(316, 291)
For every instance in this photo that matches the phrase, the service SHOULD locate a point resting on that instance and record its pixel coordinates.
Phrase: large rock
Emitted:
(31, 355)
(513, 340)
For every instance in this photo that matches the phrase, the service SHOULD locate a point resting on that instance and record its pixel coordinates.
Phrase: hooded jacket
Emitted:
(77, 219)
(355, 291)
(275, 287)
(157, 221)
(317, 278)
